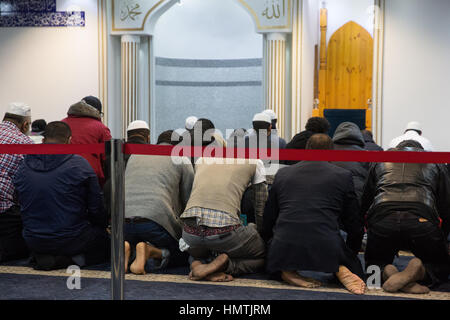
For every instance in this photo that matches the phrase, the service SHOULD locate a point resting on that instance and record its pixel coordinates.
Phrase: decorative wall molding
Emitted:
(137, 16)
(269, 15)
(37, 13)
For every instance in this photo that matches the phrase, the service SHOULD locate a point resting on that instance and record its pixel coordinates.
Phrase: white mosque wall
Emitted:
(310, 39)
(417, 69)
(50, 67)
(208, 64)
(342, 11)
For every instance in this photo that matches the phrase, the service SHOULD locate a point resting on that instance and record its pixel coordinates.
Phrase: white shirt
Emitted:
(412, 135)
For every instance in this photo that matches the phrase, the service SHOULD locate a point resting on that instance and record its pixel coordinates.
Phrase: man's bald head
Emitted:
(320, 142)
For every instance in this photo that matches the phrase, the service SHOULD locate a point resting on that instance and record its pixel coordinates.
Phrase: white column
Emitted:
(275, 77)
(129, 79)
(296, 67)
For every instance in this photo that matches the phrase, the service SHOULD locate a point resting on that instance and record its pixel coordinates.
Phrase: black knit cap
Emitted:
(38, 125)
(93, 102)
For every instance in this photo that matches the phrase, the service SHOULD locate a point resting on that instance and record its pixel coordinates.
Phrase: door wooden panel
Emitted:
(349, 68)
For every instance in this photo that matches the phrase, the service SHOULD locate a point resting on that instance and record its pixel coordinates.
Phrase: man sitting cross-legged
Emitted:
(61, 202)
(157, 189)
(219, 244)
(301, 223)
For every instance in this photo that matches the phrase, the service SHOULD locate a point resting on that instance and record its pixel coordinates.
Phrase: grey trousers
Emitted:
(244, 247)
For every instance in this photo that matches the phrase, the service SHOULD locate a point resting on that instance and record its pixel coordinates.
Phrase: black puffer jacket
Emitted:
(424, 185)
(348, 136)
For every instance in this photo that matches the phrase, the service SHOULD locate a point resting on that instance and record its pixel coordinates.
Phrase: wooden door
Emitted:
(349, 69)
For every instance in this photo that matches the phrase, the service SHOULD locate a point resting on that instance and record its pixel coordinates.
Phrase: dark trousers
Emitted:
(154, 234)
(12, 244)
(404, 231)
(93, 244)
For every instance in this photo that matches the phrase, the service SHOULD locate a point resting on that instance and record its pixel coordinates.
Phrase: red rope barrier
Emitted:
(289, 154)
(282, 154)
(51, 148)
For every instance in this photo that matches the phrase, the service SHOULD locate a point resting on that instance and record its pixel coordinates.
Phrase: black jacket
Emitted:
(301, 218)
(370, 144)
(408, 186)
(348, 136)
(59, 197)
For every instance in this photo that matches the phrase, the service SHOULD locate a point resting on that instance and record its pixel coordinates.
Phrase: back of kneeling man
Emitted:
(408, 208)
(218, 242)
(157, 189)
(62, 206)
(301, 222)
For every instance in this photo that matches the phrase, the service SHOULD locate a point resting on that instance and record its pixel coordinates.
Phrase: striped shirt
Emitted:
(9, 163)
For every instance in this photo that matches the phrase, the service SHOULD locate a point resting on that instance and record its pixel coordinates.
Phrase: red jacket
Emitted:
(87, 128)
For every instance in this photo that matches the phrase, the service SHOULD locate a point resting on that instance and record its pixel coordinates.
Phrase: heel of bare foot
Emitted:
(144, 252)
(127, 255)
(200, 271)
(414, 272)
(351, 281)
(297, 280)
(415, 288)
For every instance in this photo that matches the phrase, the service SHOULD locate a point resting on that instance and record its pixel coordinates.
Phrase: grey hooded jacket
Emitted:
(348, 136)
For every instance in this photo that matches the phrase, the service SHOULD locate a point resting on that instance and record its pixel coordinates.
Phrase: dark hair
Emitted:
(409, 144)
(57, 131)
(318, 125)
(166, 137)
(274, 124)
(93, 102)
(38, 125)
(15, 118)
(300, 140)
(204, 125)
(320, 141)
(261, 125)
(138, 132)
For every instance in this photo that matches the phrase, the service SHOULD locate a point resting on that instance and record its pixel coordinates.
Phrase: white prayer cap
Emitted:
(414, 125)
(190, 122)
(20, 109)
(138, 124)
(271, 114)
(262, 117)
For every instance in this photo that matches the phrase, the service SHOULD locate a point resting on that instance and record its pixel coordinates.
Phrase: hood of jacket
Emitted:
(82, 109)
(45, 162)
(349, 133)
(367, 137)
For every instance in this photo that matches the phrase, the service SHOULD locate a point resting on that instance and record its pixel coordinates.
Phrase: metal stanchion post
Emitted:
(117, 203)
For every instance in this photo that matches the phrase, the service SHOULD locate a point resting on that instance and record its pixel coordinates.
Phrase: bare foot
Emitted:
(127, 255)
(412, 288)
(414, 272)
(295, 279)
(351, 281)
(200, 271)
(144, 252)
(219, 277)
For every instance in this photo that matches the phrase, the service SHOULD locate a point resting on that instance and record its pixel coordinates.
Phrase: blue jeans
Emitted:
(157, 236)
